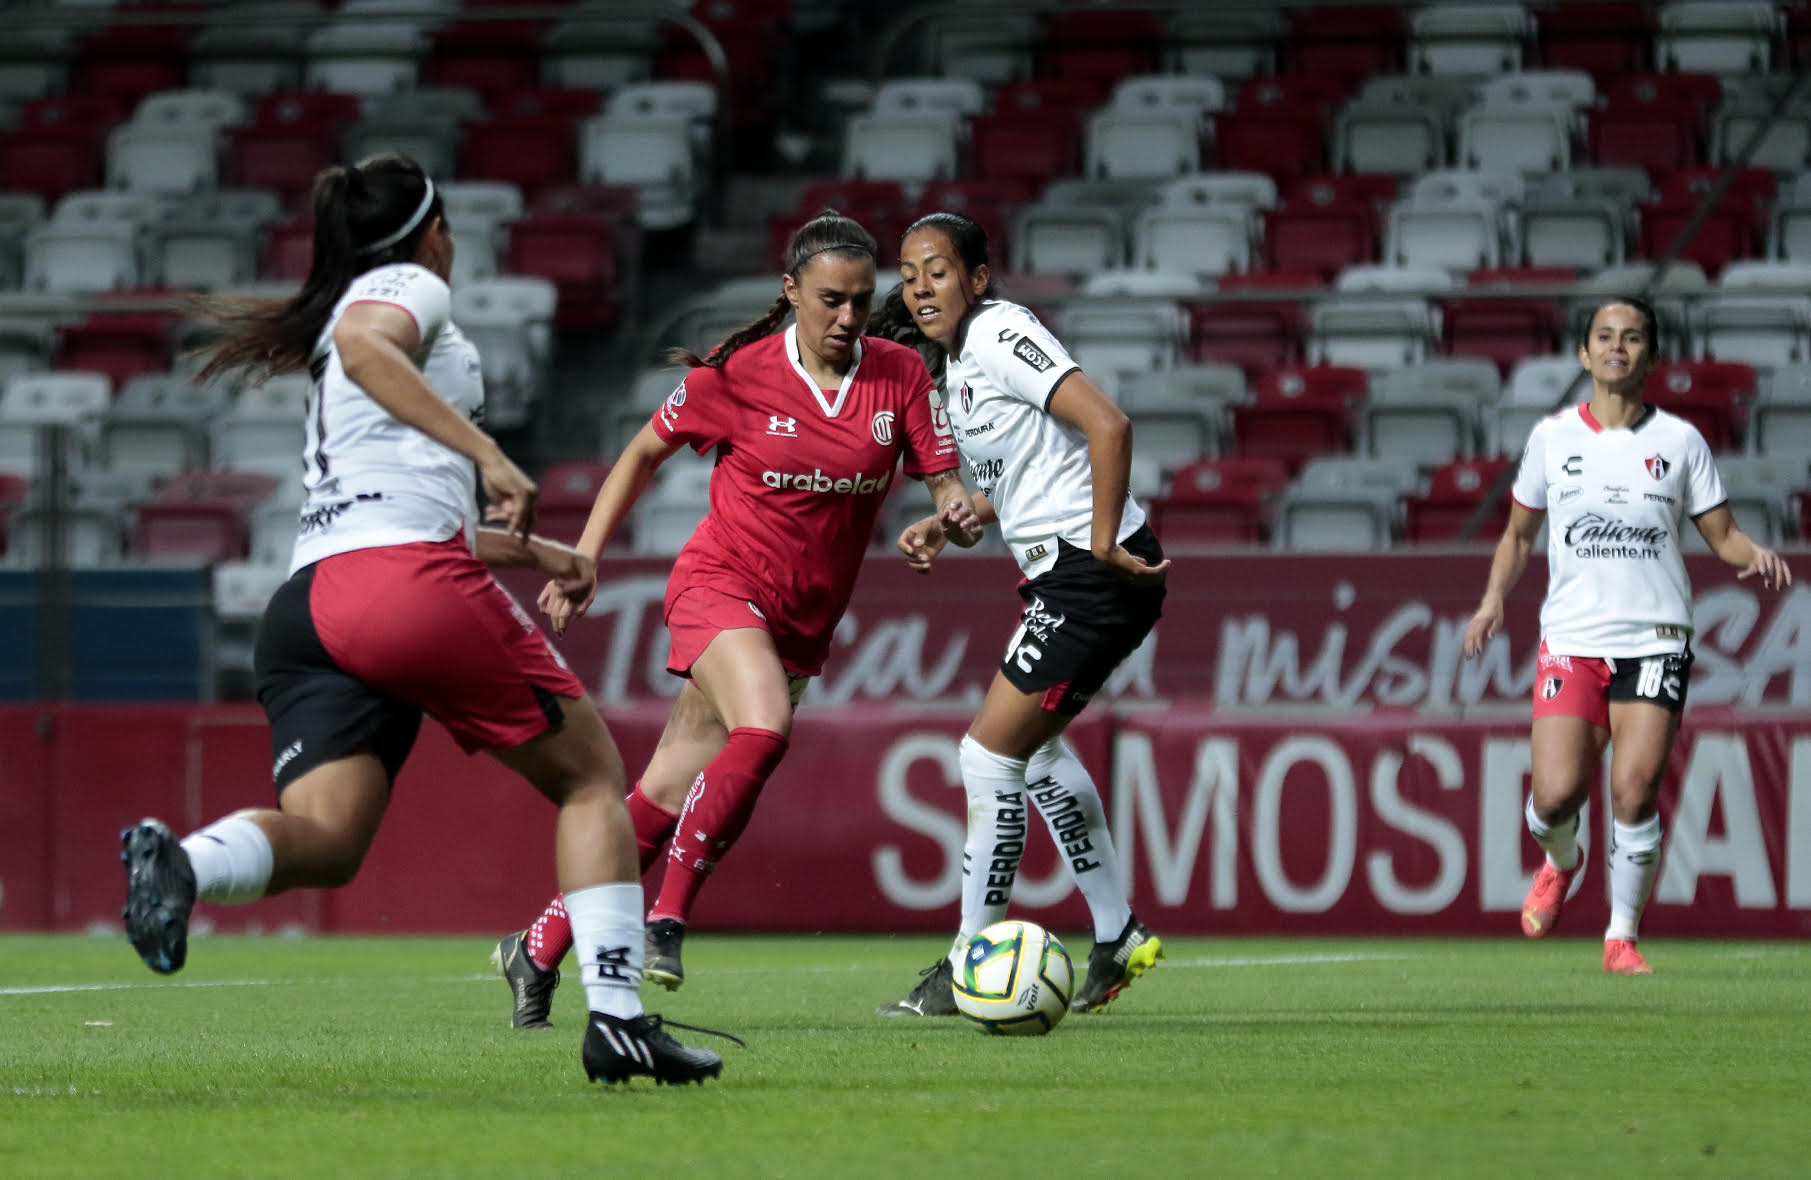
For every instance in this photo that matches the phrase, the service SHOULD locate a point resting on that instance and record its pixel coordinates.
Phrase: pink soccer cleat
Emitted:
(1621, 958)
(1540, 909)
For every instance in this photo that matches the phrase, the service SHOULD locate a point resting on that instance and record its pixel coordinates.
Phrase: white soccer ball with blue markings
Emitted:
(1015, 979)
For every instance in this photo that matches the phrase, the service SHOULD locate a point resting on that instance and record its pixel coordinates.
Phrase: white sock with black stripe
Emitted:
(1065, 795)
(996, 838)
(232, 861)
(607, 936)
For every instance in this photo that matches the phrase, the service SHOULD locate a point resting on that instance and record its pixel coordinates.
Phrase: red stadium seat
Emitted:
(190, 531)
(95, 113)
(50, 163)
(1225, 501)
(1711, 395)
(1347, 41)
(1454, 492)
(578, 253)
(1257, 336)
(1068, 97)
(568, 490)
(1661, 137)
(1321, 93)
(131, 61)
(244, 488)
(539, 102)
(121, 344)
(1029, 148)
(530, 153)
(284, 159)
(324, 110)
(1752, 188)
(1726, 234)
(1299, 411)
(880, 205)
(1505, 329)
(1604, 38)
(288, 250)
(1324, 238)
(487, 56)
(1377, 189)
(1103, 46)
(1282, 142)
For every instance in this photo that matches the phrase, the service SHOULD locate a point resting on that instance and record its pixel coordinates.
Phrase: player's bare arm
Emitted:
(375, 342)
(1736, 548)
(1078, 402)
(1506, 567)
(574, 573)
(628, 479)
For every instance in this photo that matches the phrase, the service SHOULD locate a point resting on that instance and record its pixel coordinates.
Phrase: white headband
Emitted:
(407, 227)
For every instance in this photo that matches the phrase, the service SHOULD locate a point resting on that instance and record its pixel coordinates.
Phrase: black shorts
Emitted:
(1653, 680)
(1079, 623)
(318, 712)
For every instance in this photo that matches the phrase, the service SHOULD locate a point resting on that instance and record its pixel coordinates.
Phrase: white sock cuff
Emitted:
(232, 860)
(978, 759)
(1641, 837)
(610, 899)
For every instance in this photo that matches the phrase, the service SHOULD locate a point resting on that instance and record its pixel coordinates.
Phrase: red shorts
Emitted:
(1584, 686)
(697, 614)
(427, 624)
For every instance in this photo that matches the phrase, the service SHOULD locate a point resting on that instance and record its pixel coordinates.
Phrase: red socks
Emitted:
(551, 935)
(716, 811)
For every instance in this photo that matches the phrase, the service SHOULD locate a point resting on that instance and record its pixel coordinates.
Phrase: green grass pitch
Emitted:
(1276, 1057)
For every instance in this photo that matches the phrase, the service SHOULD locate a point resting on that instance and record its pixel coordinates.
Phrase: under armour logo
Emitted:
(783, 427)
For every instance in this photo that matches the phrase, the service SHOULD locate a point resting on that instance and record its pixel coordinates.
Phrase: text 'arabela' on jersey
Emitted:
(859, 484)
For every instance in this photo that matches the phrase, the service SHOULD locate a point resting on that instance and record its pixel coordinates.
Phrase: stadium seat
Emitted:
(188, 532)
(1728, 37)
(32, 400)
(1458, 236)
(1660, 136)
(669, 512)
(1104, 45)
(1398, 139)
(130, 61)
(1467, 40)
(1523, 139)
(1322, 237)
(1725, 234)
(491, 56)
(1603, 38)
(1282, 142)
(1780, 418)
(906, 147)
(81, 259)
(653, 154)
(364, 57)
(601, 49)
(1711, 396)
(1454, 495)
(263, 429)
(578, 252)
(1255, 334)
(1026, 148)
(1426, 422)
(1370, 331)
(1297, 412)
(1072, 240)
(510, 319)
(1141, 143)
(568, 491)
(1226, 43)
(1345, 41)
(1503, 329)
(962, 97)
(1226, 500)
(50, 162)
(120, 345)
(1342, 503)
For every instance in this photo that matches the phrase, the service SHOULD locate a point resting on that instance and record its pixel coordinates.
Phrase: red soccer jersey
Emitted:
(802, 471)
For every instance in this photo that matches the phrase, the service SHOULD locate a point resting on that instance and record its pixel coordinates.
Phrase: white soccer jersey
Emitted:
(1616, 501)
(372, 480)
(1033, 468)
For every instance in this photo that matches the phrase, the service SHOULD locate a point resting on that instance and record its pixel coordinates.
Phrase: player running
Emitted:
(1050, 456)
(809, 425)
(389, 612)
(1619, 477)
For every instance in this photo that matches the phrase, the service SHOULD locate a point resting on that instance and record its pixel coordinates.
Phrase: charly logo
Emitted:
(1574, 465)
(882, 427)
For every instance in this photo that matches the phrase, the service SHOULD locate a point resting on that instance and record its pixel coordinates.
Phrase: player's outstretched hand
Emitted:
(1129, 567)
(568, 593)
(1770, 567)
(1486, 623)
(511, 493)
(921, 542)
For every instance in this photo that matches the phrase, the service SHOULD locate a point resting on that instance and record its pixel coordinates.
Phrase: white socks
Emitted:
(607, 935)
(996, 838)
(232, 861)
(1065, 794)
(1559, 841)
(1634, 859)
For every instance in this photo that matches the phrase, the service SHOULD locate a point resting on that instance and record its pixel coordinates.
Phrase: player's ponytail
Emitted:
(827, 233)
(369, 215)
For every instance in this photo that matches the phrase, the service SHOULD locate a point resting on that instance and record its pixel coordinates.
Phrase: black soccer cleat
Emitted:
(660, 954)
(531, 986)
(160, 892)
(617, 1049)
(1112, 966)
(934, 996)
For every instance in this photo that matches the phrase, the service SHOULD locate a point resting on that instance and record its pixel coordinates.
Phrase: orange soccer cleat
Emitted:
(1621, 958)
(1540, 909)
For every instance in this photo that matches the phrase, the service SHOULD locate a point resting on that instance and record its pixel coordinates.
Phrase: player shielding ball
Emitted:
(809, 425)
(1616, 478)
(1050, 457)
(390, 612)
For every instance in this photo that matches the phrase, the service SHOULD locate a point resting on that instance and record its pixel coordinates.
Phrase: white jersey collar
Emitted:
(830, 409)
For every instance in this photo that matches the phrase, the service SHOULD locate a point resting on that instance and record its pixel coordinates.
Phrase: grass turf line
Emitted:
(1246, 1057)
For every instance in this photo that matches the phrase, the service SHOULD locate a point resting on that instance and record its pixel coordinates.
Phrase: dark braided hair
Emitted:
(894, 320)
(827, 233)
(358, 214)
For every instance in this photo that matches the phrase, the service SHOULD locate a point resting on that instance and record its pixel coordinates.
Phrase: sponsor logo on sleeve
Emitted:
(669, 409)
(1032, 355)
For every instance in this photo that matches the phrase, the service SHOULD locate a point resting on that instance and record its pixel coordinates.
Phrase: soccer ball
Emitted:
(1015, 980)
